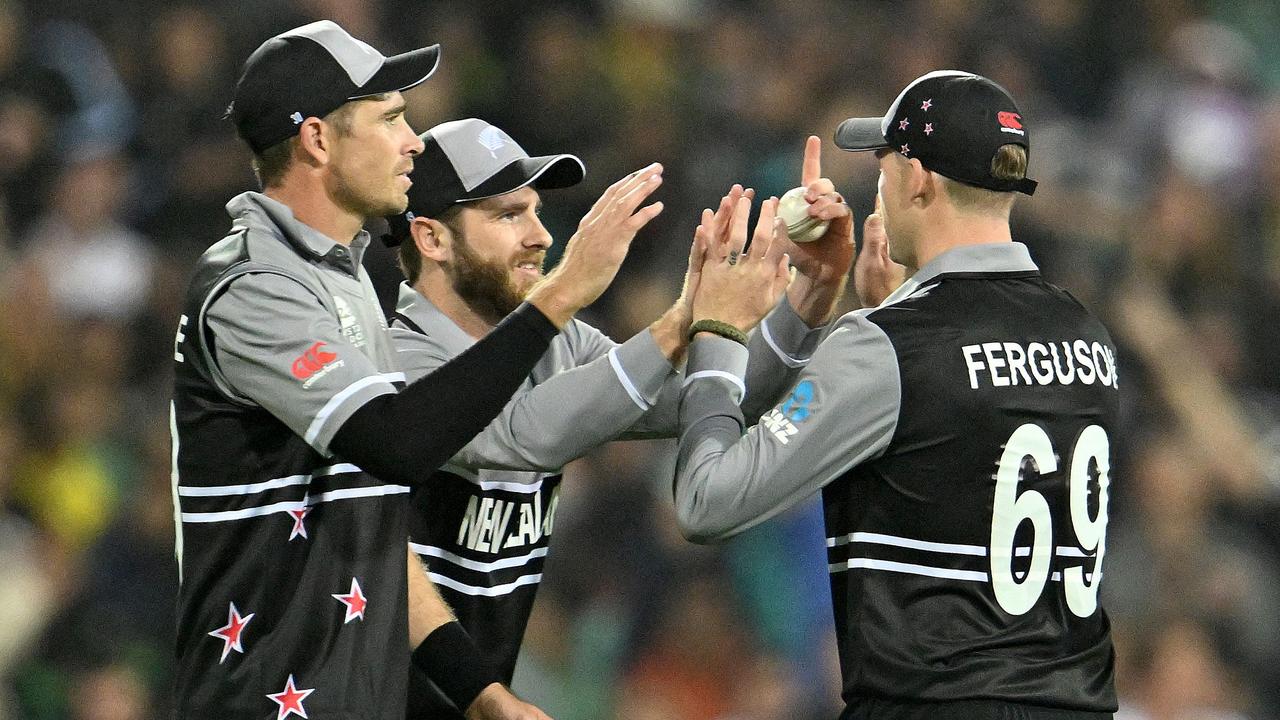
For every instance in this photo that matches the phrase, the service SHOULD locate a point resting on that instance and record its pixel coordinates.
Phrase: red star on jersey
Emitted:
(299, 530)
(355, 602)
(902, 124)
(290, 700)
(928, 128)
(230, 633)
(926, 105)
(906, 149)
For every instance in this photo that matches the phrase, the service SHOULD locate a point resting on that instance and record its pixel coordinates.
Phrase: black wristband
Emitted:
(453, 662)
(723, 329)
(531, 316)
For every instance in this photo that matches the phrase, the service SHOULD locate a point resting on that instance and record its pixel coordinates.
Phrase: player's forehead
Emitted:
(376, 106)
(518, 199)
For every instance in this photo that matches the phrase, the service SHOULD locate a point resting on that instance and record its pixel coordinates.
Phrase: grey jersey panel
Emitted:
(726, 483)
(842, 411)
(303, 337)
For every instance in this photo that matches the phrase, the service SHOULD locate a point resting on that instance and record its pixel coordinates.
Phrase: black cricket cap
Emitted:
(468, 160)
(312, 70)
(953, 122)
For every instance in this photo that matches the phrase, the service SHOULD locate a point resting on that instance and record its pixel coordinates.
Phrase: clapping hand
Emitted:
(740, 285)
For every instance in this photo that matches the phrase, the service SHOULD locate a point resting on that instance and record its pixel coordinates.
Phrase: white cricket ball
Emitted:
(794, 211)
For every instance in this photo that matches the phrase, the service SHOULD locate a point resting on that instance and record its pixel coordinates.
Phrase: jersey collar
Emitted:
(1000, 257)
(256, 208)
(423, 313)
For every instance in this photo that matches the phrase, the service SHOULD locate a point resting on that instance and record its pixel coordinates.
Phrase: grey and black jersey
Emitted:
(482, 523)
(961, 437)
(293, 584)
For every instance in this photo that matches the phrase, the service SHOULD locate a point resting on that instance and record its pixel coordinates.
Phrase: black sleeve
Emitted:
(404, 437)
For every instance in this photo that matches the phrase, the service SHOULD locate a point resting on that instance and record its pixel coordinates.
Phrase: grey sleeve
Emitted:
(780, 347)
(777, 350)
(562, 418)
(276, 345)
(842, 411)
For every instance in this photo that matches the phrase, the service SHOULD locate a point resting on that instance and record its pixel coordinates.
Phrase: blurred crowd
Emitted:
(1155, 128)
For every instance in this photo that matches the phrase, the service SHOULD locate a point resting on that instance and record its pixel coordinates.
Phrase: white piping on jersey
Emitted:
(251, 488)
(496, 590)
(785, 358)
(737, 381)
(627, 385)
(473, 477)
(908, 568)
(286, 506)
(499, 564)
(879, 539)
(926, 570)
(173, 477)
(334, 402)
(394, 377)
(950, 548)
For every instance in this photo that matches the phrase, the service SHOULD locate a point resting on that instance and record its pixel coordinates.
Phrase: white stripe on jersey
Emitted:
(251, 488)
(496, 590)
(173, 477)
(313, 431)
(908, 568)
(926, 570)
(879, 539)
(737, 381)
(785, 358)
(473, 477)
(258, 511)
(627, 385)
(928, 546)
(499, 564)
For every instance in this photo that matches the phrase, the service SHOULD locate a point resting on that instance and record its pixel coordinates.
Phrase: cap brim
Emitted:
(401, 72)
(544, 172)
(858, 134)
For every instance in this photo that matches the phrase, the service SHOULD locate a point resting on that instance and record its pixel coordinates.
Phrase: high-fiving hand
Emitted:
(596, 251)
(740, 285)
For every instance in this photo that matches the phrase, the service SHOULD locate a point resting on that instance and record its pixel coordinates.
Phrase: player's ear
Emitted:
(432, 238)
(314, 141)
(922, 185)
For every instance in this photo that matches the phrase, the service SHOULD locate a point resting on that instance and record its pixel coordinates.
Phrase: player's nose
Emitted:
(538, 236)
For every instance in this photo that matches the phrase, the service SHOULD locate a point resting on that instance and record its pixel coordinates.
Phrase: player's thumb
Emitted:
(873, 235)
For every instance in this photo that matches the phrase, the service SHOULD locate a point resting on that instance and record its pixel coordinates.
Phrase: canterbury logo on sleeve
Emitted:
(306, 365)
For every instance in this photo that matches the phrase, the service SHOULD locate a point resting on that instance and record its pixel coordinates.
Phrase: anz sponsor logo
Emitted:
(492, 524)
(783, 420)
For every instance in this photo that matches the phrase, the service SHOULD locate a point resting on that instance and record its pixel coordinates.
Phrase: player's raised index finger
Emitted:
(811, 170)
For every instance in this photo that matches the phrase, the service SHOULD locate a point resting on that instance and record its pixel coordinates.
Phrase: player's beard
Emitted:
(484, 285)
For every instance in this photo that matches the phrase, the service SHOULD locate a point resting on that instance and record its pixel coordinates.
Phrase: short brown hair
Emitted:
(411, 259)
(270, 165)
(1009, 163)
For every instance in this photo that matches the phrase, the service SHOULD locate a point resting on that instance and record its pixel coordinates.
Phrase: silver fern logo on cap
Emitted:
(493, 140)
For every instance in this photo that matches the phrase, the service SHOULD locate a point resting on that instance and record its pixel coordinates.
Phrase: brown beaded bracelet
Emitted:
(716, 327)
